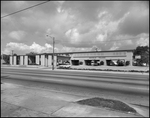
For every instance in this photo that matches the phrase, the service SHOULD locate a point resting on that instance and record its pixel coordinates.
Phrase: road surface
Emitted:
(120, 85)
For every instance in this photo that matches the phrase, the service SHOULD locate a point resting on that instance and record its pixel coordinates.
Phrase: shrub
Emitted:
(120, 63)
(80, 63)
(127, 63)
(103, 69)
(101, 63)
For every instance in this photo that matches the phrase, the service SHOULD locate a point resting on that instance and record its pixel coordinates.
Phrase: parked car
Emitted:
(143, 64)
(96, 64)
(112, 64)
(66, 65)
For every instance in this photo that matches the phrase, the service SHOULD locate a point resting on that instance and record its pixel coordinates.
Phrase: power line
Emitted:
(25, 9)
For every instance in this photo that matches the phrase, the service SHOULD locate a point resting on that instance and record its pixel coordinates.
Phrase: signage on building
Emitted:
(95, 58)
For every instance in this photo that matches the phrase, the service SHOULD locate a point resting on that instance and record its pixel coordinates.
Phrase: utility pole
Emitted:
(12, 57)
(48, 35)
(53, 51)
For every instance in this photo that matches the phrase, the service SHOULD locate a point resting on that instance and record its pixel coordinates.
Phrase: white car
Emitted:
(65, 66)
(144, 64)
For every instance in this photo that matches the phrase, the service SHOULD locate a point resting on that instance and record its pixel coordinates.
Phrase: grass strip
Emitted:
(107, 103)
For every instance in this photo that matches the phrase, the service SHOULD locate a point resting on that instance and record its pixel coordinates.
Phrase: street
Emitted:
(59, 89)
(120, 84)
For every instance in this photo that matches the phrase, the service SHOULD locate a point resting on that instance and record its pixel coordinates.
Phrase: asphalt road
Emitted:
(132, 88)
(129, 83)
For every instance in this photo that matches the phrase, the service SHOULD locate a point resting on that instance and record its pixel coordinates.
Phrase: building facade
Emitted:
(97, 56)
(75, 58)
(37, 59)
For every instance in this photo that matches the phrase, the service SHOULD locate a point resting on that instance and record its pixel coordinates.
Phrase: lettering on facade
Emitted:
(90, 55)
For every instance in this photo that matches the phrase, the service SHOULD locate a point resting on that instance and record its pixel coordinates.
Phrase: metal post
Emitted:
(53, 52)
(48, 35)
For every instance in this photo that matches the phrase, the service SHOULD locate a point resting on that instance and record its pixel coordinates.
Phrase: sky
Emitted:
(75, 25)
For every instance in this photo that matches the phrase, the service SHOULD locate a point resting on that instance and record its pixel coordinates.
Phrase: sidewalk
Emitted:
(21, 101)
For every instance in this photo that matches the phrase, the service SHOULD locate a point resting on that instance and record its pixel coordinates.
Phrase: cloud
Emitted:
(78, 24)
(59, 9)
(61, 2)
(17, 35)
(143, 39)
(126, 39)
(48, 45)
(95, 48)
(115, 46)
(136, 22)
(101, 37)
(72, 49)
(22, 48)
(68, 33)
(143, 42)
(121, 42)
(86, 11)
(73, 36)
(19, 4)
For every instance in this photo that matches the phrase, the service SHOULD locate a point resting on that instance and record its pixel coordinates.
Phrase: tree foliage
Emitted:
(101, 63)
(127, 63)
(94, 48)
(143, 51)
(5, 58)
(120, 63)
(31, 53)
(14, 54)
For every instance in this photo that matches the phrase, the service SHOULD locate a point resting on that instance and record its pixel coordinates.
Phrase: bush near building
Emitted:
(139, 71)
(80, 63)
(120, 63)
(127, 63)
(101, 63)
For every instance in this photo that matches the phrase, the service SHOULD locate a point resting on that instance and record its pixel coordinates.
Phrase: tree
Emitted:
(142, 51)
(14, 54)
(6, 58)
(80, 63)
(94, 48)
(31, 53)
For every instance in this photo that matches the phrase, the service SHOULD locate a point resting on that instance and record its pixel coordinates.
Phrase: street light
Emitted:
(48, 35)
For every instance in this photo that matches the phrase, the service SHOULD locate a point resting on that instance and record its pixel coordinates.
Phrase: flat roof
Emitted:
(129, 50)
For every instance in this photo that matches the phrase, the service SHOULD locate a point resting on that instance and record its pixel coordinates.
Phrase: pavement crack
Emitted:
(59, 109)
(26, 108)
